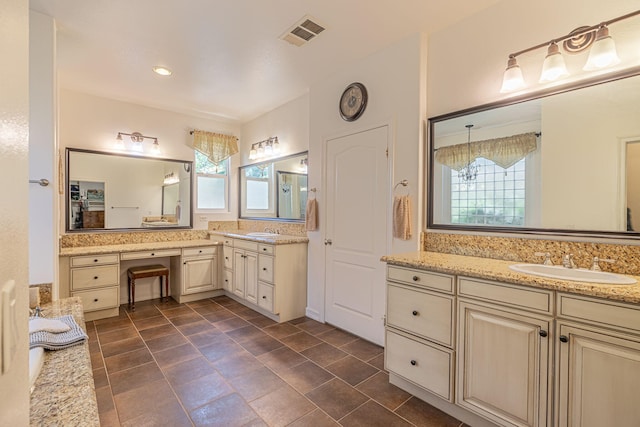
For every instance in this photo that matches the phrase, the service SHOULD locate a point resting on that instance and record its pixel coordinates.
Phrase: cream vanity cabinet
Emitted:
(227, 264)
(504, 363)
(199, 270)
(95, 279)
(420, 329)
(270, 278)
(598, 362)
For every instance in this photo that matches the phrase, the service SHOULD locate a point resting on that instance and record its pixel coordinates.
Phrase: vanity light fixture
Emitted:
(470, 171)
(602, 54)
(267, 148)
(137, 139)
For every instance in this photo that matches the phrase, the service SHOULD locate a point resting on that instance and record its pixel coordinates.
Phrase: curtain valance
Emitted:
(215, 146)
(504, 152)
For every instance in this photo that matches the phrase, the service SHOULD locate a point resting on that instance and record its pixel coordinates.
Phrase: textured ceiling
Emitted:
(226, 56)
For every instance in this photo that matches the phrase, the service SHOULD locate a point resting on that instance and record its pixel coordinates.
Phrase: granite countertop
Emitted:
(493, 269)
(133, 247)
(279, 239)
(64, 393)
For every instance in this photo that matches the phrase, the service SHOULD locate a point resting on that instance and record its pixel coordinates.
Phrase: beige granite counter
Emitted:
(133, 247)
(64, 393)
(493, 269)
(279, 239)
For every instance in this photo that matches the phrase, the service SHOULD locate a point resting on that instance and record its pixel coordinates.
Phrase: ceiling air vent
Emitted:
(302, 32)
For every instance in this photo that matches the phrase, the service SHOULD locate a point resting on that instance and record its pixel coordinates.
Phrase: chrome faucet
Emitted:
(567, 261)
(547, 257)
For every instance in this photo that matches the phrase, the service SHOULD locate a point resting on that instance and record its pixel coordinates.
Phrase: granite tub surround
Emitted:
(494, 269)
(133, 237)
(133, 247)
(64, 393)
(627, 257)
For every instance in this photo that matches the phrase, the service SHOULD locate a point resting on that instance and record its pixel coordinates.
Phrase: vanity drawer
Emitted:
(227, 279)
(435, 281)
(429, 366)
(84, 261)
(228, 256)
(265, 296)
(151, 254)
(613, 314)
(427, 314)
(94, 277)
(265, 268)
(195, 252)
(245, 244)
(266, 249)
(98, 299)
(511, 295)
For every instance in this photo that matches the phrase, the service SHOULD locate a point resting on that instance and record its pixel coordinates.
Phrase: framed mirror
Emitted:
(274, 189)
(564, 162)
(109, 191)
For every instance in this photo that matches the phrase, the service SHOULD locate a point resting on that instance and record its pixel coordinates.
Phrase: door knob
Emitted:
(327, 242)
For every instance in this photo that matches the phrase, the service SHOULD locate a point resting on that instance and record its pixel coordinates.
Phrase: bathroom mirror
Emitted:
(274, 189)
(109, 191)
(562, 163)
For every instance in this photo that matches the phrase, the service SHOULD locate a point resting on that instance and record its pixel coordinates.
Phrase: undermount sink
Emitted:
(573, 274)
(262, 234)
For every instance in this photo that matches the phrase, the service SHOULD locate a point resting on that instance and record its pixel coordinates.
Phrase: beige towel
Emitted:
(312, 215)
(402, 217)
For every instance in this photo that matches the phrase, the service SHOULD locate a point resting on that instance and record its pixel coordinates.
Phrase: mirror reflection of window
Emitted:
(258, 180)
(211, 183)
(633, 185)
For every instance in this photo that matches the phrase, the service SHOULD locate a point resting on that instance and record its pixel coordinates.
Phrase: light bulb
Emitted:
(512, 79)
(553, 67)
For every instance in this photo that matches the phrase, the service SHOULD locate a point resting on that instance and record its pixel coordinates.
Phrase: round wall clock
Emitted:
(353, 101)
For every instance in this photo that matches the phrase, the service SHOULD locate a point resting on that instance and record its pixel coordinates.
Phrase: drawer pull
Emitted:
(264, 249)
(95, 277)
(414, 363)
(95, 300)
(264, 268)
(543, 334)
(416, 278)
(152, 254)
(227, 258)
(564, 338)
(415, 312)
(95, 260)
(264, 297)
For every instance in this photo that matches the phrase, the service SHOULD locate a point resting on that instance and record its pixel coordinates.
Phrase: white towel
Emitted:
(311, 215)
(402, 217)
(38, 324)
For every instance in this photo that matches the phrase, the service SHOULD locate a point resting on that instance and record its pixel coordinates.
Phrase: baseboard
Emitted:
(313, 314)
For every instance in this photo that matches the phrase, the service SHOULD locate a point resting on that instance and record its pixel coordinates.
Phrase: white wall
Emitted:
(289, 122)
(14, 213)
(43, 209)
(394, 78)
(92, 122)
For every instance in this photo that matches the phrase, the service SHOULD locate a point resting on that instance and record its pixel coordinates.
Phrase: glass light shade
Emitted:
(603, 52)
(163, 71)
(276, 146)
(155, 148)
(260, 151)
(268, 150)
(553, 67)
(119, 142)
(253, 153)
(512, 79)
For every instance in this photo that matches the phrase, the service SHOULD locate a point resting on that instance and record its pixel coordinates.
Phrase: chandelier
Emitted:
(470, 171)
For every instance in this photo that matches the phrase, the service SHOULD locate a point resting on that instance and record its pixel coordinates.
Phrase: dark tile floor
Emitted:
(217, 363)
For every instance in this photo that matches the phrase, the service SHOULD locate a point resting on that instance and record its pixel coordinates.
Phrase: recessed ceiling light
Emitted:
(163, 71)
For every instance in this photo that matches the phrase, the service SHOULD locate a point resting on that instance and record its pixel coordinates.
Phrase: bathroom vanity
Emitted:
(491, 346)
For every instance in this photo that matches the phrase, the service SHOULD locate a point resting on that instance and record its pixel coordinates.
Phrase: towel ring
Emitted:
(404, 183)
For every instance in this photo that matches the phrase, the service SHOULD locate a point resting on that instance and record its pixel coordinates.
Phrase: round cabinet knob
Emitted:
(95, 277)
(199, 251)
(152, 254)
(264, 297)
(95, 300)
(414, 363)
(264, 249)
(543, 334)
(415, 312)
(227, 258)
(416, 278)
(563, 338)
(95, 260)
(264, 268)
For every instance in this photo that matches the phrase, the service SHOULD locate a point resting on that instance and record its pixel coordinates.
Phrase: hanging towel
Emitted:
(311, 217)
(52, 341)
(402, 217)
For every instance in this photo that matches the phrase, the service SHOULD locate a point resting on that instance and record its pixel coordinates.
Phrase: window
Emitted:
(212, 183)
(495, 197)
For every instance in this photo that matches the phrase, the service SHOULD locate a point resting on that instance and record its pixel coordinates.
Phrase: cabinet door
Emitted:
(199, 275)
(239, 272)
(598, 375)
(251, 277)
(503, 365)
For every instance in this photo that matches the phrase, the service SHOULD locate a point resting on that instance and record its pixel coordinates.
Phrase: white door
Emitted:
(356, 233)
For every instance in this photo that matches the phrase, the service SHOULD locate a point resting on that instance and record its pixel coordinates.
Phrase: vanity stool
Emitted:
(134, 273)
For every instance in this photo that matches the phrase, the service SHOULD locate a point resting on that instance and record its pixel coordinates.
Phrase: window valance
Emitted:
(504, 152)
(215, 146)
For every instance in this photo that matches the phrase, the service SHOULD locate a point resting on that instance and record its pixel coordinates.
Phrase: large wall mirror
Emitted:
(106, 191)
(275, 189)
(566, 162)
